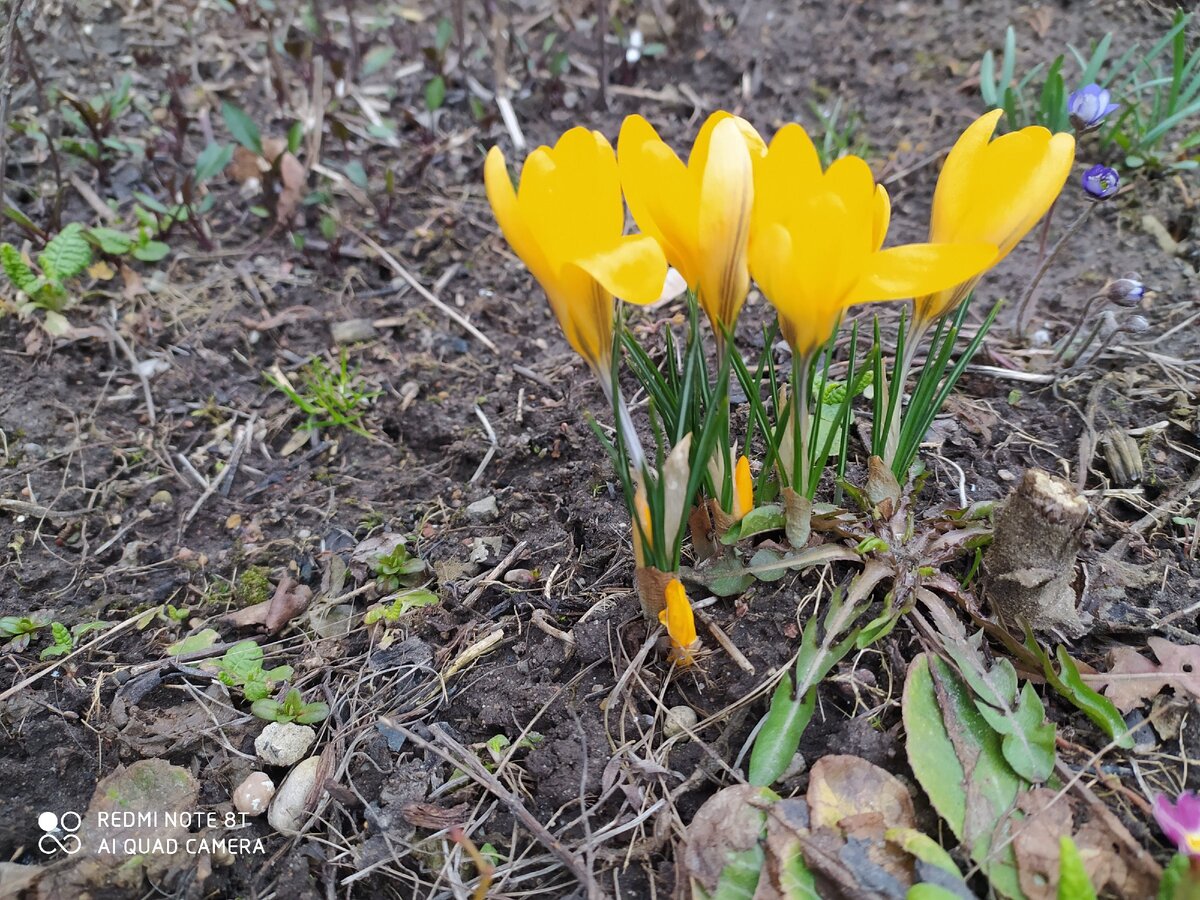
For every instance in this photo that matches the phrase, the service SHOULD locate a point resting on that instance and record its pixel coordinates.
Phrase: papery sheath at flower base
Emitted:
(816, 249)
(992, 191)
(1100, 182)
(1089, 106)
(680, 622)
(566, 222)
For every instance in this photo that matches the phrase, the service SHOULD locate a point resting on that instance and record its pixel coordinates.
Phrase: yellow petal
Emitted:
(790, 170)
(632, 268)
(950, 197)
(585, 312)
(883, 216)
(503, 200)
(726, 198)
(743, 488)
(661, 195)
(679, 619)
(917, 269)
(702, 146)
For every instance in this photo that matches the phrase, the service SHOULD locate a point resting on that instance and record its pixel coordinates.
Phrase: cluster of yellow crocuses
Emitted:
(812, 239)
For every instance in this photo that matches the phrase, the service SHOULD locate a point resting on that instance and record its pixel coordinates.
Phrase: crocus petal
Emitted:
(743, 488)
(917, 269)
(790, 169)
(883, 216)
(662, 198)
(631, 268)
(726, 198)
(508, 215)
(949, 199)
(679, 620)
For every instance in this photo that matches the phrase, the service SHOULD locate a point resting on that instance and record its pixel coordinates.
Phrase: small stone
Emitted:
(162, 501)
(485, 510)
(282, 743)
(352, 331)
(287, 812)
(37, 451)
(254, 794)
(519, 576)
(679, 720)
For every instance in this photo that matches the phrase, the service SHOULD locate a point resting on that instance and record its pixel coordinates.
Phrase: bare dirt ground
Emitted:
(153, 478)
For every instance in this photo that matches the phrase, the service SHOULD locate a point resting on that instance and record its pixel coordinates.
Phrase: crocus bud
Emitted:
(1101, 182)
(1127, 291)
(1088, 107)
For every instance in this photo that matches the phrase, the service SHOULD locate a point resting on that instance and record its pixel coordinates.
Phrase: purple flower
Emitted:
(1180, 821)
(1101, 182)
(1089, 107)
(1127, 291)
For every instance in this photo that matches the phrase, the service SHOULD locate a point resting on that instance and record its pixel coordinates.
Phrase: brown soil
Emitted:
(81, 447)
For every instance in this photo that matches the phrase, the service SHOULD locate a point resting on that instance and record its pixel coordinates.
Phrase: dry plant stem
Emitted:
(1029, 569)
(460, 757)
(10, 31)
(1024, 308)
(1070, 338)
(395, 266)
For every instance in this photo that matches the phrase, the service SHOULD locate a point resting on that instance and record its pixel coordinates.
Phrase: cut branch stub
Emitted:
(1029, 569)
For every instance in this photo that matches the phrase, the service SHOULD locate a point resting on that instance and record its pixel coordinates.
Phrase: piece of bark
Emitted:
(1029, 569)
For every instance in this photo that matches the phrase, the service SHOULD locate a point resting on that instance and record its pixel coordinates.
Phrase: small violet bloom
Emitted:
(1101, 182)
(1088, 107)
(1180, 821)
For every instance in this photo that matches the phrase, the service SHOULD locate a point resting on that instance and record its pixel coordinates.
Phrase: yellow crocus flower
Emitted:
(816, 244)
(699, 212)
(566, 222)
(993, 192)
(680, 622)
(743, 489)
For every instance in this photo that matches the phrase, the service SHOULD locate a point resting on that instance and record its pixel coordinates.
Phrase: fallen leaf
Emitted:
(132, 281)
(843, 787)
(725, 827)
(1036, 841)
(289, 600)
(101, 271)
(292, 182)
(430, 815)
(1132, 678)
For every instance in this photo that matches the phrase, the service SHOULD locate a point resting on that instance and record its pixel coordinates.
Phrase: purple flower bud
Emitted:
(1136, 325)
(1088, 107)
(1127, 291)
(1101, 182)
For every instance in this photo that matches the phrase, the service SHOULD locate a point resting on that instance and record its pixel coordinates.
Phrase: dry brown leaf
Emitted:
(132, 281)
(1040, 19)
(730, 821)
(1133, 679)
(245, 165)
(1036, 839)
(430, 815)
(289, 600)
(101, 271)
(291, 179)
(849, 787)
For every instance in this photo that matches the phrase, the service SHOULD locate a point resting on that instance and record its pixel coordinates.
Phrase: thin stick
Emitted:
(396, 267)
(137, 370)
(487, 457)
(1024, 307)
(459, 757)
(6, 85)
